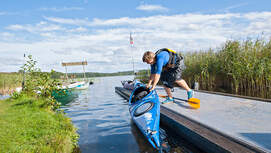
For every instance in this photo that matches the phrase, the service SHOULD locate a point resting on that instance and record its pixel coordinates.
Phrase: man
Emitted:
(169, 65)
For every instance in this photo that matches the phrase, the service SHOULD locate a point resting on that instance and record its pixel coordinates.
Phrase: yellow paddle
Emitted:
(193, 102)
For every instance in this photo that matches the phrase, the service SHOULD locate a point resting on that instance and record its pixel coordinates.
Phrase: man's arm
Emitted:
(155, 80)
(150, 80)
(156, 75)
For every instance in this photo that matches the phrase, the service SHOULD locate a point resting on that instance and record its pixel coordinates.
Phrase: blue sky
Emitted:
(98, 30)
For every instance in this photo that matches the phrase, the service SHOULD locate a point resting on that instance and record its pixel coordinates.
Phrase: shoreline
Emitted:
(9, 91)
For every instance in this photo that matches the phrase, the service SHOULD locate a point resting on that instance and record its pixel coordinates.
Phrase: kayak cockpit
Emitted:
(139, 93)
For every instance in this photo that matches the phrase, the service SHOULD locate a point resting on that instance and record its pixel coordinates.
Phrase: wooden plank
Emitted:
(74, 63)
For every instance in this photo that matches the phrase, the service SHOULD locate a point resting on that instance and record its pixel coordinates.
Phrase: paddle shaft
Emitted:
(185, 100)
(189, 101)
(174, 98)
(180, 99)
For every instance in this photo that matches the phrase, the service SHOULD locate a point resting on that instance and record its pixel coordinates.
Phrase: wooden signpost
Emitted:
(65, 64)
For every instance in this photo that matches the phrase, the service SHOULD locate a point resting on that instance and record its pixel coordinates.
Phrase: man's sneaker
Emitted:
(190, 94)
(168, 100)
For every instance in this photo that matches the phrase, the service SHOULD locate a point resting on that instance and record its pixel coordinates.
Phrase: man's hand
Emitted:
(150, 81)
(152, 88)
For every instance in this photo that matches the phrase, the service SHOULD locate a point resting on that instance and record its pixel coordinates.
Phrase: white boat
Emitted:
(82, 85)
(78, 84)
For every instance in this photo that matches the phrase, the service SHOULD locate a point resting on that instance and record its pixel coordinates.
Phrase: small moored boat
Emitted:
(64, 95)
(82, 85)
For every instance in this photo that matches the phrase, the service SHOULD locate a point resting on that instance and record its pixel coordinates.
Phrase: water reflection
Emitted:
(143, 144)
(3, 97)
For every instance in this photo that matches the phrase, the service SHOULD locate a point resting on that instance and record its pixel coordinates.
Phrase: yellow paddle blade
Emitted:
(194, 103)
(162, 96)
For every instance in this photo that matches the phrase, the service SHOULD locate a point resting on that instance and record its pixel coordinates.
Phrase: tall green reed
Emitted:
(239, 67)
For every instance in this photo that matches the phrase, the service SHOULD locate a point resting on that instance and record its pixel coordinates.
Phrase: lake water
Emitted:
(2, 97)
(104, 123)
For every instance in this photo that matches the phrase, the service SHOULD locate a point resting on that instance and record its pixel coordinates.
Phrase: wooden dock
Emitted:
(221, 124)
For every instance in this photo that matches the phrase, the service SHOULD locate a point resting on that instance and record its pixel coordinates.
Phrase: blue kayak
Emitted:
(144, 107)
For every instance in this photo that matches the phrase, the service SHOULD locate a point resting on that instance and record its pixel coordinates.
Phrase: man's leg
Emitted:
(183, 84)
(168, 91)
(165, 78)
(169, 98)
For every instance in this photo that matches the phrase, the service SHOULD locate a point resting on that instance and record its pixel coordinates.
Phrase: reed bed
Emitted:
(9, 82)
(238, 67)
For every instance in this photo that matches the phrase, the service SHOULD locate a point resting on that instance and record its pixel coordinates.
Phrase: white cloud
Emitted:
(146, 7)
(79, 29)
(15, 27)
(152, 21)
(3, 13)
(105, 43)
(54, 9)
(6, 34)
(47, 34)
(40, 27)
(258, 16)
(78, 22)
(227, 9)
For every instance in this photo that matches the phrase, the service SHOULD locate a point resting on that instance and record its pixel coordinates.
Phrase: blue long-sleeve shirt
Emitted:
(161, 60)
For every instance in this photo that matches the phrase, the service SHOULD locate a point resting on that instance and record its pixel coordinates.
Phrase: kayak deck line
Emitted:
(212, 128)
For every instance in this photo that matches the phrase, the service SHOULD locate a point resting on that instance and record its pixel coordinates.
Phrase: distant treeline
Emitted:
(143, 76)
(9, 81)
(90, 74)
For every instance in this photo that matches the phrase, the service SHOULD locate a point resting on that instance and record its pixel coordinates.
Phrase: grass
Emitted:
(27, 125)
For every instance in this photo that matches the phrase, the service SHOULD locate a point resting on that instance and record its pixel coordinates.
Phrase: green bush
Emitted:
(39, 84)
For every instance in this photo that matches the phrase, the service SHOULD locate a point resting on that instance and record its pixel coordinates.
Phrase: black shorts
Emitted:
(168, 77)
